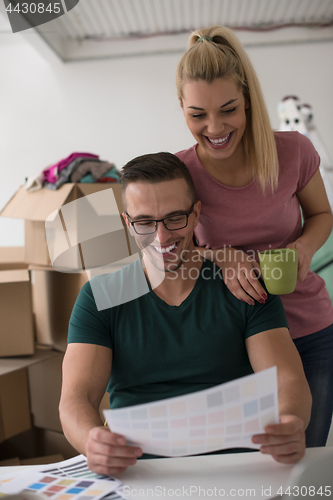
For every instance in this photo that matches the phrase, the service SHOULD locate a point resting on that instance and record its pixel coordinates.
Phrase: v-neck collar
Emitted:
(188, 299)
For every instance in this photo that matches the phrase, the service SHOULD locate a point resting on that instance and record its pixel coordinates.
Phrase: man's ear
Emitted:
(125, 219)
(129, 226)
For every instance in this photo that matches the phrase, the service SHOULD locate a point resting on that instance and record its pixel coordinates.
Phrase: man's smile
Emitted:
(165, 250)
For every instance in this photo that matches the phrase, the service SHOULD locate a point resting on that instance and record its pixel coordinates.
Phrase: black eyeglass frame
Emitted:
(187, 214)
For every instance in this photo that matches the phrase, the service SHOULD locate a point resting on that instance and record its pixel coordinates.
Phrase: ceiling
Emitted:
(117, 28)
(101, 19)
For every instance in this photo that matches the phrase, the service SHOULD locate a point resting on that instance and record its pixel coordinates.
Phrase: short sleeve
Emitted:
(87, 325)
(309, 161)
(268, 316)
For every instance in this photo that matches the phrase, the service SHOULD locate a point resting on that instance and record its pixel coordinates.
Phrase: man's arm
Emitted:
(86, 372)
(284, 441)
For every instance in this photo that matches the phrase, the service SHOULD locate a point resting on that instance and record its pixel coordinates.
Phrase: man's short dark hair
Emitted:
(156, 167)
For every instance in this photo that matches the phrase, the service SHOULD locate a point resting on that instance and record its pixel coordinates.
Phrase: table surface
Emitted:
(237, 475)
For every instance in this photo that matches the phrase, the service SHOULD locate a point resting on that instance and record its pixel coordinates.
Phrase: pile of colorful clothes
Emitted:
(77, 167)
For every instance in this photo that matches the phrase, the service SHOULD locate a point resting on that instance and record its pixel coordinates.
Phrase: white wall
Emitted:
(122, 108)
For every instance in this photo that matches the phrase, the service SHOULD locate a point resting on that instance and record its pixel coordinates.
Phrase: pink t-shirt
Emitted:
(244, 218)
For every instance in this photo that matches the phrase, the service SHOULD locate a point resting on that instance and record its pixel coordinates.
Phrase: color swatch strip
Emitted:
(224, 416)
(76, 467)
(59, 488)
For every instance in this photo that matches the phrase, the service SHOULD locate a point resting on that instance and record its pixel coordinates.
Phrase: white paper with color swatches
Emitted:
(224, 416)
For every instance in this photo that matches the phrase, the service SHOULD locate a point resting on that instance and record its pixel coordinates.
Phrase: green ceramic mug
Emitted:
(279, 270)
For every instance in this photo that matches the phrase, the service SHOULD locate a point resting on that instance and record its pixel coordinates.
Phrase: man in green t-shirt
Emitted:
(171, 328)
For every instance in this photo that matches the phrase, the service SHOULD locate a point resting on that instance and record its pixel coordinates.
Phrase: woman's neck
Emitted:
(234, 171)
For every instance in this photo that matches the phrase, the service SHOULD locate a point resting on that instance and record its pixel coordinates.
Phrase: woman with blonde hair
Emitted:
(253, 184)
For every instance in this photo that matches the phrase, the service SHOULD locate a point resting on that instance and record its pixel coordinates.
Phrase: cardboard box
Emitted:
(48, 459)
(83, 235)
(27, 443)
(41, 445)
(45, 378)
(53, 298)
(14, 404)
(17, 329)
(9, 365)
(10, 462)
(23, 445)
(52, 442)
(45, 460)
(13, 256)
(45, 388)
(15, 415)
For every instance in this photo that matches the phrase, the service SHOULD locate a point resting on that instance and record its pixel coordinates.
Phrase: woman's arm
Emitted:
(317, 226)
(240, 271)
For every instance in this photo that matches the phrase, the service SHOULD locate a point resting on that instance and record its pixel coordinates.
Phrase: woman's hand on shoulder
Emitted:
(240, 274)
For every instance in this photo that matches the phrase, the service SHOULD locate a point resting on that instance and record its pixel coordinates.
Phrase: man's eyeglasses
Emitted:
(172, 223)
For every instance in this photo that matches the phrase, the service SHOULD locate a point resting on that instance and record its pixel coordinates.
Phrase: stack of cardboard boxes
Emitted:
(36, 302)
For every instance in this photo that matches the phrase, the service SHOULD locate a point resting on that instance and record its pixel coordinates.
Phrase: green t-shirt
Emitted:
(160, 351)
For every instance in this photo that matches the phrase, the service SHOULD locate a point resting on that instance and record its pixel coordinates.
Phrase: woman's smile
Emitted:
(220, 142)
